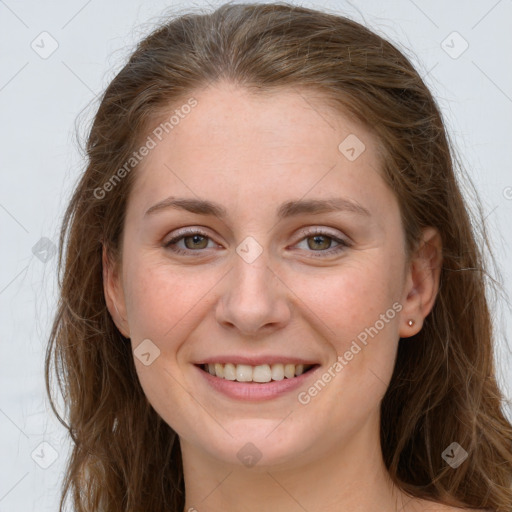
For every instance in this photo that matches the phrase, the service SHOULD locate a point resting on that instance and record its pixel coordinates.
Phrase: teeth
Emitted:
(229, 371)
(277, 372)
(289, 371)
(219, 370)
(260, 373)
(243, 373)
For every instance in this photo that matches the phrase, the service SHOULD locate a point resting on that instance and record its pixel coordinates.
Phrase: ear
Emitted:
(422, 282)
(114, 296)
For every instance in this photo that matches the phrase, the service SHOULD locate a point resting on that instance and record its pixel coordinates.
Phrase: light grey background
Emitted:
(40, 99)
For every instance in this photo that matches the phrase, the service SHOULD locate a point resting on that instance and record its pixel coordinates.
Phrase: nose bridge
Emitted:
(252, 297)
(251, 280)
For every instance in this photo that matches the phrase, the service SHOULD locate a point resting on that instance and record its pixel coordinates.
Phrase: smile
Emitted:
(258, 374)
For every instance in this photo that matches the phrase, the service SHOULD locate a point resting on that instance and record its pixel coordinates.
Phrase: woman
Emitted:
(272, 295)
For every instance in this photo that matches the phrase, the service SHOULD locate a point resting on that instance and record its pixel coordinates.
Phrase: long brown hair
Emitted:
(443, 389)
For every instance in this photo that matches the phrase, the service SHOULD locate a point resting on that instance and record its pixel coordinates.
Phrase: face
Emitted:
(263, 280)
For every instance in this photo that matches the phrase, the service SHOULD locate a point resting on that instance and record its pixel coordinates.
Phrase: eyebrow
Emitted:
(286, 210)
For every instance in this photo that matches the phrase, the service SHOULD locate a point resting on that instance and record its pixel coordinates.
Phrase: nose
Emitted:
(253, 299)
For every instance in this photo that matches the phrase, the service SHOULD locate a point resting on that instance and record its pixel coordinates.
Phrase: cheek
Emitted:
(354, 311)
(164, 301)
(351, 297)
(163, 305)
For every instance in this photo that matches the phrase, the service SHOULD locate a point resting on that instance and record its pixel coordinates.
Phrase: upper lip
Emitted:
(255, 361)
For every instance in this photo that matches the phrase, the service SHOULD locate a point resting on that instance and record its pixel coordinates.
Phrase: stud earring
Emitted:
(411, 323)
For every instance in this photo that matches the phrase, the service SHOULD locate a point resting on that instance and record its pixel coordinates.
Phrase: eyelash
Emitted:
(343, 244)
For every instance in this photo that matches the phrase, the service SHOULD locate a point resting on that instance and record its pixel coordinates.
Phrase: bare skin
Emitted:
(250, 154)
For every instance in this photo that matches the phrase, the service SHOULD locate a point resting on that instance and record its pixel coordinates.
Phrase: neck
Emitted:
(348, 476)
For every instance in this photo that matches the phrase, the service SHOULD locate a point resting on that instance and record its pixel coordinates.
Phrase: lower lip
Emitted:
(254, 391)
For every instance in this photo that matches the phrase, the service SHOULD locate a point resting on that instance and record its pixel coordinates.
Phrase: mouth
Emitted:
(259, 374)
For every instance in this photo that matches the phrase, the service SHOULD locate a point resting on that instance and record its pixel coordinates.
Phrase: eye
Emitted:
(320, 242)
(316, 240)
(193, 239)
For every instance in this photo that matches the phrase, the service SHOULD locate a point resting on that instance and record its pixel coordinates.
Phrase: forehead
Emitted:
(252, 147)
(289, 123)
